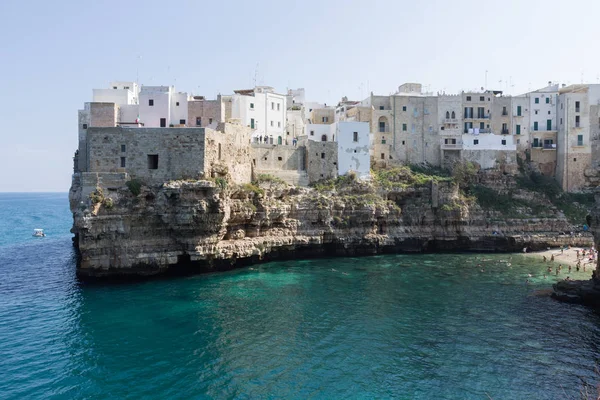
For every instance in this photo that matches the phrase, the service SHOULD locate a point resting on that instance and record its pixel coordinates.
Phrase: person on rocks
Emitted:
(552, 258)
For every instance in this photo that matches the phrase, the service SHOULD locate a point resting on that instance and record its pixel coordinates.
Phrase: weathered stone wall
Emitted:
(487, 159)
(317, 115)
(180, 152)
(103, 114)
(544, 159)
(322, 160)
(209, 111)
(269, 157)
(227, 151)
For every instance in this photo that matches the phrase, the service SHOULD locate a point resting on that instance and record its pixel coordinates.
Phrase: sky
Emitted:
(53, 53)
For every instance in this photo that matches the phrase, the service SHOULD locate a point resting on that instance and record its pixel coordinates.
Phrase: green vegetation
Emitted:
(403, 177)
(221, 182)
(335, 183)
(249, 187)
(267, 178)
(97, 196)
(134, 186)
(575, 206)
(108, 203)
(464, 173)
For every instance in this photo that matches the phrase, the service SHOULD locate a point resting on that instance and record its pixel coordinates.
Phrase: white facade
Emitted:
(353, 148)
(321, 132)
(295, 97)
(520, 122)
(262, 110)
(542, 106)
(120, 93)
(488, 141)
(294, 124)
(158, 107)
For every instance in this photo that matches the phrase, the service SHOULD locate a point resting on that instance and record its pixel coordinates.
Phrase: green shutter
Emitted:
(518, 129)
(518, 111)
(535, 126)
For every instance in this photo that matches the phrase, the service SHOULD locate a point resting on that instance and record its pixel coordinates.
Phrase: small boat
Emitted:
(38, 233)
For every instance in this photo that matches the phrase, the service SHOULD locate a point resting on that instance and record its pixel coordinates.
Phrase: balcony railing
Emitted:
(544, 146)
(450, 121)
(480, 130)
(504, 131)
(451, 146)
(504, 113)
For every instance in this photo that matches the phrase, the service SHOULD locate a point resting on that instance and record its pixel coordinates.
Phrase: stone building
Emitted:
(204, 113)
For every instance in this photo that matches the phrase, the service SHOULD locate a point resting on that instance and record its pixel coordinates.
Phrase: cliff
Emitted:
(122, 227)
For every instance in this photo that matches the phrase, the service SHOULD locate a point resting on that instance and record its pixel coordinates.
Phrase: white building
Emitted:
(542, 104)
(295, 97)
(353, 148)
(489, 150)
(120, 93)
(161, 106)
(261, 109)
(520, 122)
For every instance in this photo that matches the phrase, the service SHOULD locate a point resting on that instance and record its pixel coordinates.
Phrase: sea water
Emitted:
(443, 326)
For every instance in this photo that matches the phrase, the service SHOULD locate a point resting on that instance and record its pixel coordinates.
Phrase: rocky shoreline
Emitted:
(203, 226)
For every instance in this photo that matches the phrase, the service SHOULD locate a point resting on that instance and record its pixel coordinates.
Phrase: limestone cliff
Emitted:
(202, 225)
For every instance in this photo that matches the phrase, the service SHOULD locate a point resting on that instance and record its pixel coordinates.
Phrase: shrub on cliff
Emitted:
(134, 186)
(403, 177)
(97, 196)
(249, 187)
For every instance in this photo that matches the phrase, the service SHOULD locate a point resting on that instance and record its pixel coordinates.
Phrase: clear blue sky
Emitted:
(53, 53)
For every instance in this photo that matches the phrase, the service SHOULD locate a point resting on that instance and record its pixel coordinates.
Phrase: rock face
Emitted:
(203, 225)
(584, 292)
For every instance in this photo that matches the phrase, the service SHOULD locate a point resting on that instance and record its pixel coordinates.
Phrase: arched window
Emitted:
(447, 115)
(383, 124)
(453, 115)
(323, 138)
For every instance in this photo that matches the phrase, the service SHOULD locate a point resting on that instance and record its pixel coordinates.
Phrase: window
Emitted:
(210, 121)
(163, 122)
(381, 107)
(151, 102)
(579, 140)
(126, 87)
(403, 108)
(576, 106)
(548, 112)
(504, 112)
(278, 124)
(271, 123)
(447, 115)
(504, 142)
(198, 121)
(312, 133)
(322, 155)
(404, 127)
(577, 121)
(252, 123)
(535, 126)
(123, 148)
(381, 126)
(518, 111)
(279, 159)
(182, 122)
(453, 115)
(152, 161)
(536, 142)
(355, 136)
(518, 141)
(574, 160)
(475, 141)
(84, 126)
(468, 98)
(272, 106)
(325, 119)
(403, 142)
(114, 87)
(251, 106)
(323, 138)
(561, 121)
(518, 129)
(481, 98)
(277, 106)
(177, 104)
(382, 156)
(123, 162)
(547, 100)
(536, 111)
(537, 100)
(548, 124)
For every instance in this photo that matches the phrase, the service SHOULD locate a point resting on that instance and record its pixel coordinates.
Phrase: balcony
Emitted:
(451, 146)
(450, 121)
(504, 113)
(480, 130)
(504, 132)
(544, 146)
(517, 115)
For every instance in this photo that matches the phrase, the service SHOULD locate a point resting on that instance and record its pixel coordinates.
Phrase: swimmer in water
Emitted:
(569, 268)
(552, 258)
(545, 259)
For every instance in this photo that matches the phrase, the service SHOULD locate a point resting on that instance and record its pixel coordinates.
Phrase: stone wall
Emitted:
(103, 114)
(209, 111)
(227, 151)
(322, 160)
(179, 152)
(270, 157)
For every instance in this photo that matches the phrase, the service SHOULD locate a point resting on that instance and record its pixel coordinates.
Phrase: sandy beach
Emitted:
(565, 257)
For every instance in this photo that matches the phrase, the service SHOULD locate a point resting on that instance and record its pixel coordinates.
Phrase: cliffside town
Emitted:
(167, 180)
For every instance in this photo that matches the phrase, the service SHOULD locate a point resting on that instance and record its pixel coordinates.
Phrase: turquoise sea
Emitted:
(436, 326)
